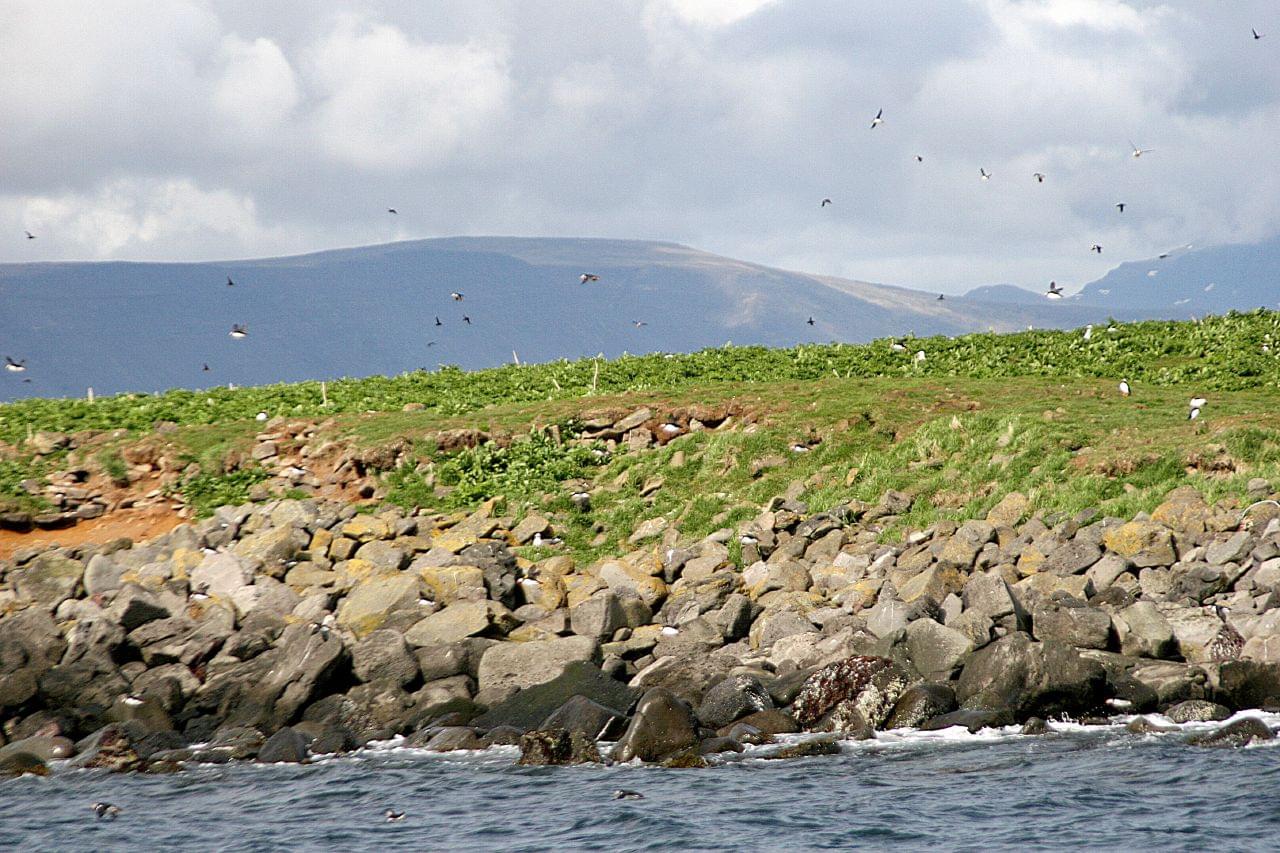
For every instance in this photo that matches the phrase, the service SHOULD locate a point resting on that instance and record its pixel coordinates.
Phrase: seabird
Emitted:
(638, 323)
(238, 332)
(1210, 286)
(1256, 35)
(1096, 249)
(919, 159)
(393, 210)
(391, 814)
(919, 356)
(986, 176)
(14, 366)
(898, 346)
(941, 298)
(107, 810)
(230, 283)
(1039, 176)
(586, 277)
(1088, 331)
(1054, 291)
(456, 296)
(670, 631)
(1120, 206)
(1198, 402)
(438, 323)
(1138, 152)
(261, 416)
(878, 120)
(623, 794)
(431, 343)
(30, 236)
(466, 319)
(1124, 388)
(1152, 273)
(132, 701)
(205, 369)
(1162, 255)
(825, 202)
(1227, 643)
(809, 321)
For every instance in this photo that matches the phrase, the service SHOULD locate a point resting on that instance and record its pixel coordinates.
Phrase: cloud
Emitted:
(257, 89)
(712, 13)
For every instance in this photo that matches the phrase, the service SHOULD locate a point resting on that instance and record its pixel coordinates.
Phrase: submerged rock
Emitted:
(1240, 733)
(557, 746)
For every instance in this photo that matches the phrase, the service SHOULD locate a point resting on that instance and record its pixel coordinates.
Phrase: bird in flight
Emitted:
(431, 343)
(438, 323)
(638, 323)
(941, 298)
(466, 319)
(205, 369)
(14, 366)
(456, 296)
(1120, 206)
(1054, 291)
(1138, 152)
(30, 236)
(825, 202)
(1096, 249)
(986, 176)
(809, 321)
(586, 277)
(238, 332)
(230, 283)
(393, 211)
(1256, 35)
(919, 159)
(1039, 176)
(878, 120)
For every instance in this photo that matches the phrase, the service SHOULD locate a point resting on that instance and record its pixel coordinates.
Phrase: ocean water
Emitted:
(1095, 788)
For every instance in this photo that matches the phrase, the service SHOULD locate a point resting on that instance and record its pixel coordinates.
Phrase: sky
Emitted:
(216, 129)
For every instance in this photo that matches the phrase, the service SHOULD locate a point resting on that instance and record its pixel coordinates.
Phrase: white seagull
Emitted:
(1138, 152)
(1088, 332)
(878, 120)
(919, 356)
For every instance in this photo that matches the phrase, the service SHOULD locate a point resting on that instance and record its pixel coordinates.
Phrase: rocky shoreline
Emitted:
(295, 628)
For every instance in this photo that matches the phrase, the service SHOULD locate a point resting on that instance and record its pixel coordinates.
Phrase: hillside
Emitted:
(358, 312)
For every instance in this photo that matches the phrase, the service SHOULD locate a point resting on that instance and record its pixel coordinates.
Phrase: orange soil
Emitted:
(137, 524)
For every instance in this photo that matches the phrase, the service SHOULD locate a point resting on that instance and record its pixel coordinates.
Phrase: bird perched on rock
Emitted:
(106, 810)
(14, 366)
(392, 815)
(1227, 643)
(238, 332)
(623, 794)
(878, 120)
(1054, 291)
(586, 277)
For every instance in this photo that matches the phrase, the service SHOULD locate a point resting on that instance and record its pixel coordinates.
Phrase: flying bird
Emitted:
(205, 369)
(638, 323)
(878, 120)
(919, 159)
(14, 366)
(239, 332)
(106, 810)
(438, 323)
(1138, 152)
(586, 277)
(623, 794)
(30, 236)
(1256, 35)
(392, 210)
(230, 283)
(986, 176)
(1039, 176)
(1096, 249)
(1054, 291)
(1120, 206)
(456, 296)
(941, 298)
(825, 202)
(466, 319)
(809, 321)
(1124, 388)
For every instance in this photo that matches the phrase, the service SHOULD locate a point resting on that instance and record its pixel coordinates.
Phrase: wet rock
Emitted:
(454, 738)
(533, 705)
(557, 747)
(1197, 711)
(1248, 684)
(717, 745)
(822, 745)
(21, 764)
(731, 699)
(662, 725)
(1041, 679)
(587, 718)
(858, 690)
(108, 749)
(1036, 726)
(919, 703)
(974, 719)
(773, 722)
(1147, 726)
(287, 746)
(502, 736)
(1242, 732)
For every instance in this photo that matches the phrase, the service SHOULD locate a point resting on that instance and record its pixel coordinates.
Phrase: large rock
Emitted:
(1198, 711)
(1072, 557)
(1242, 732)
(1144, 632)
(624, 578)
(221, 575)
(989, 594)
(687, 675)
(936, 651)
(1071, 621)
(367, 607)
(384, 656)
(919, 703)
(557, 747)
(287, 746)
(273, 547)
(589, 719)
(1032, 679)
(1143, 543)
(662, 725)
(452, 583)
(460, 620)
(384, 556)
(533, 706)
(522, 665)
(733, 698)
(858, 691)
(48, 580)
(599, 616)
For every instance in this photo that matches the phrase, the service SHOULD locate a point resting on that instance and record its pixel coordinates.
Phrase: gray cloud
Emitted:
(198, 129)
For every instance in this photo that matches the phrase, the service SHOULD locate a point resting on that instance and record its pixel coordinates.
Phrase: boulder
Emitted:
(1144, 632)
(273, 547)
(454, 738)
(448, 584)
(48, 580)
(1069, 620)
(557, 747)
(731, 699)
(384, 656)
(460, 620)
(383, 556)
(1031, 678)
(447, 659)
(286, 746)
(919, 703)
(1142, 543)
(102, 574)
(1071, 558)
(973, 719)
(662, 724)
(21, 764)
(585, 717)
(270, 689)
(1197, 711)
(1242, 732)
(221, 574)
(533, 706)
(373, 599)
(936, 651)
(599, 616)
(844, 696)
(624, 578)
(688, 675)
(522, 665)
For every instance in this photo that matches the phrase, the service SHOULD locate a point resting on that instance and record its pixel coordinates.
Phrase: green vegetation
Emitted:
(114, 466)
(12, 496)
(206, 492)
(1220, 353)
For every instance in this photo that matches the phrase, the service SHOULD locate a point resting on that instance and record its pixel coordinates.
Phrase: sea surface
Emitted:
(1094, 788)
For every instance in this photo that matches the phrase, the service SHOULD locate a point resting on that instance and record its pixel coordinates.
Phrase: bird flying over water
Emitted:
(1120, 206)
(941, 298)
(392, 210)
(1054, 291)
(14, 366)
(204, 369)
(1039, 176)
(466, 319)
(30, 236)
(809, 321)
(438, 323)
(878, 120)
(230, 283)
(1096, 249)
(456, 296)
(919, 159)
(238, 332)
(638, 323)
(586, 277)
(986, 176)
(1256, 35)
(825, 202)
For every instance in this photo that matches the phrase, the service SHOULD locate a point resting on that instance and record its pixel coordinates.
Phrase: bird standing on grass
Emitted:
(1124, 388)
(1197, 403)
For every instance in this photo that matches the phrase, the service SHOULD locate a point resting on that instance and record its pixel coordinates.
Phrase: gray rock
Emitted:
(919, 703)
(663, 724)
(733, 698)
(270, 689)
(286, 746)
(1242, 732)
(590, 719)
(1104, 573)
(134, 606)
(688, 676)
(1144, 632)
(557, 747)
(1233, 550)
(599, 616)
(383, 555)
(1031, 678)
(456, 658)
(522, 665)
(460, 620)
(1073, 622)
(48, 580)
(367, 607)
(973, 719)
(936, 651)
(989, 595)
(887, 617)
(532, 707)
(221, 575)
(1072, 558)
(773, 625)
(454, 738)
(853, 693)
(1197, 711)
(101, 575)
(384, 656)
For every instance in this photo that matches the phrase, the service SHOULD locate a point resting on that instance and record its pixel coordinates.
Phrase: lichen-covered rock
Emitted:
(1197, 711)
(919, 703)
(858, 690)
(557, 747)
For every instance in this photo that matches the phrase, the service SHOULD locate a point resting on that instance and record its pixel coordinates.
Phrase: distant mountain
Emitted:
(120, 326)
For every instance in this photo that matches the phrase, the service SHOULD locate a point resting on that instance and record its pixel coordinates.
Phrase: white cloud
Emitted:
(713, 13)
(257, 90)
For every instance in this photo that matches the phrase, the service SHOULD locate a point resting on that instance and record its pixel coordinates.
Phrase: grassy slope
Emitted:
(982, 416)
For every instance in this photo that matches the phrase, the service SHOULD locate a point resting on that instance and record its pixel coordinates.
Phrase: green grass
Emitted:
(12, 496)
(206, 492)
